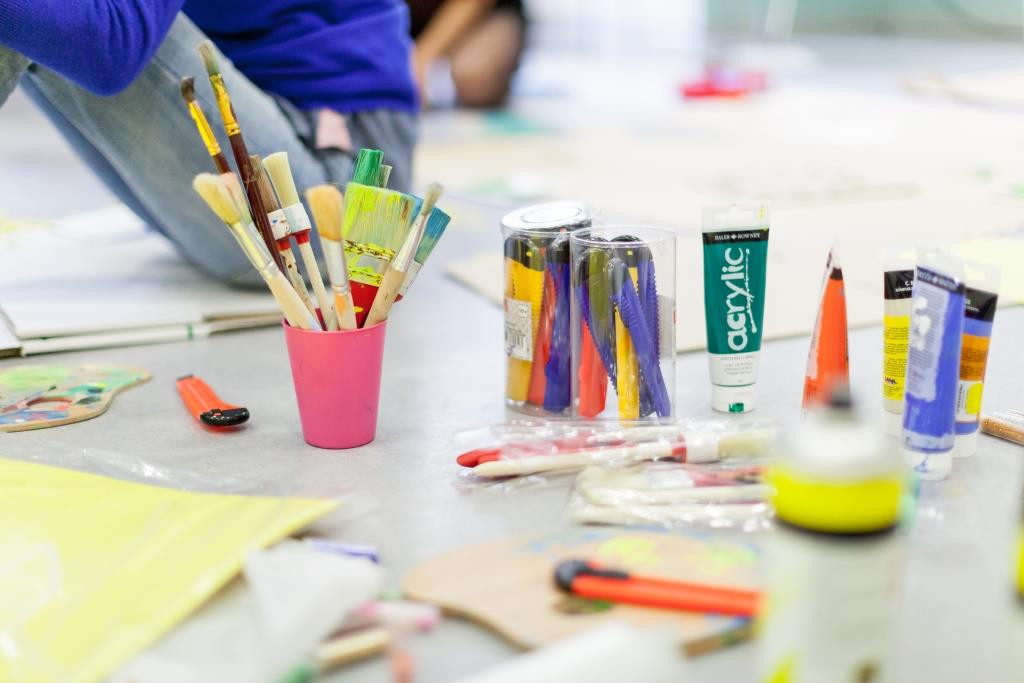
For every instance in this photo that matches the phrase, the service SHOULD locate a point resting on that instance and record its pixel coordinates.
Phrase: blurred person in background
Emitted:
(466, 50)
(318, 79)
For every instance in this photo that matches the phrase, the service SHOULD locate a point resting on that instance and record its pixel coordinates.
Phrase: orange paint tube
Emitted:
(828, 364)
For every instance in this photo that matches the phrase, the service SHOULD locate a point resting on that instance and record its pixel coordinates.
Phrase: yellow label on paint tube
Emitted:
(896, 334)
(973, 354)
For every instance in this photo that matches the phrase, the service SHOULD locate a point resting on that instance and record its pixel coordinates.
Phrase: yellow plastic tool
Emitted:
(627, 385)
(524, 282)
(627, 379)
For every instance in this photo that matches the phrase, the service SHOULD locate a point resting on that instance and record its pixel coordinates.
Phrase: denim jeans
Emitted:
(143, 144)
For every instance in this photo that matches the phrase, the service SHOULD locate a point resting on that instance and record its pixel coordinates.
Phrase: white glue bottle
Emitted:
(836, 556)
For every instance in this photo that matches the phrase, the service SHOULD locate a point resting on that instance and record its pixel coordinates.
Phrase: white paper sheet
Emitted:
(101, 279)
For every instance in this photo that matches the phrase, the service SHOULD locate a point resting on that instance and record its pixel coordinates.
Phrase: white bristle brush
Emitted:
(224, 195)
(281, 230)
(281, 176)
(326, 201)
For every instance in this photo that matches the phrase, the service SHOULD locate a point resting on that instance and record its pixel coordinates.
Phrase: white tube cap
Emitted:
(892, 423)
(930, 466)
(733, 399)
(701, 446)
(964, 445)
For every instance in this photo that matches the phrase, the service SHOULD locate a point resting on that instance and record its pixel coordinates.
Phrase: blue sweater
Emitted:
(349, 55)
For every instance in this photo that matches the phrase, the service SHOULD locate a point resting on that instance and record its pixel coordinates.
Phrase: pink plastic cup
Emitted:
(337, 383)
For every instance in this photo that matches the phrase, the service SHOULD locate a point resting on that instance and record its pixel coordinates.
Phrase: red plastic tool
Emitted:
(549, 447)
(588, 580)
(206, 407)
(723, 82)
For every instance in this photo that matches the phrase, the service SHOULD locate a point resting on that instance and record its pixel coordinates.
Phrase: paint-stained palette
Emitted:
(40, 396)
(509, 585)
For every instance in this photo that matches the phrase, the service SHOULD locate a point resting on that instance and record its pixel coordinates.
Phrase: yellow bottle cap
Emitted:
(839, 476)
(835, 506)
(1020, 564)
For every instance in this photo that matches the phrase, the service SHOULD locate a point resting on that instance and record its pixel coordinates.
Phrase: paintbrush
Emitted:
(281, 177)
(224, 196)
(238, 149)
(375, 225)
(392, 281)
(325, 201)
(188, 91)
(436, 224)
(384, 175)
(279, 226)
(367, 170)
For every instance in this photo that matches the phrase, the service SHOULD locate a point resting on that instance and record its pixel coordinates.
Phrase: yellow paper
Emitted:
(93, 569)
(1005, 252)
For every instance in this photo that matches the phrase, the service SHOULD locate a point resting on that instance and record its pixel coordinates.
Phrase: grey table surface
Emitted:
(444, 373)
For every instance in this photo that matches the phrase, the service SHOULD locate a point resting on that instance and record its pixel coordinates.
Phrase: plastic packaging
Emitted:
(735, 267)
(674, 495)
(897, 287)
(981, 295)
(933, 365)
(623, 323)
(540, 448)
(537, 292)
(835, 559)
(337, 383)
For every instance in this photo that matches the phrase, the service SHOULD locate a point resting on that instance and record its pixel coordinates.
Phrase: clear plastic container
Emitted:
(623, 322)
(537, 309)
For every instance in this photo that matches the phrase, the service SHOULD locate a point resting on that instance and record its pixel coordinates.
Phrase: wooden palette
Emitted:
(41, 396)
(508, 585)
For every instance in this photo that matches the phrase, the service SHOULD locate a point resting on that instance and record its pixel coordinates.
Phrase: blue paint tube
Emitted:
(933, 366)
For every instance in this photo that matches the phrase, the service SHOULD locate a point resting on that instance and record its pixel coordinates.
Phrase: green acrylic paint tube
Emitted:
(735, 264)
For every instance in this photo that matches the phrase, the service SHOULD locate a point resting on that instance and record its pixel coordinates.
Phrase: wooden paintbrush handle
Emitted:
(346, 309)
(252, 193)
(295, 312)
(295, 277)
(386, 295)
(352, 647)
(326, 308)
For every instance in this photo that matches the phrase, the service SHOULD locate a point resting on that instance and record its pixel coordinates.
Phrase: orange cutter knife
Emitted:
(206, 407)
(591, 581)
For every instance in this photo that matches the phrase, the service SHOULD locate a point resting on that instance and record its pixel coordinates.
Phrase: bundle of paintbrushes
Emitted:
(374, 240)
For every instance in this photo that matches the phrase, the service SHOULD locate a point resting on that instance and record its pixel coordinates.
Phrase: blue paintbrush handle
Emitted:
(647, 289)
(557, 387)
(631, 312)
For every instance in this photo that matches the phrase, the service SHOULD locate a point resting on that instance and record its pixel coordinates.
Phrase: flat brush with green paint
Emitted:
(375, 225)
